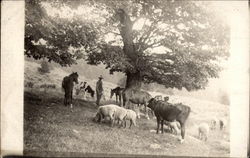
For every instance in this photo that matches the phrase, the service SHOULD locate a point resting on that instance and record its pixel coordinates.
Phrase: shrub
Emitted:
(44, 67)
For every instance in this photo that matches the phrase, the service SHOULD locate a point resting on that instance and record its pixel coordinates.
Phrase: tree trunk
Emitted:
(133, 76)
(133, 81)
(126, 33)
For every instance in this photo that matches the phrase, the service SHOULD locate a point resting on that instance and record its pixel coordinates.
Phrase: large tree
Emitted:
(124, 35)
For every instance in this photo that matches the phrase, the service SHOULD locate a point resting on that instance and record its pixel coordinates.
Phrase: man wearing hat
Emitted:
(99, 90)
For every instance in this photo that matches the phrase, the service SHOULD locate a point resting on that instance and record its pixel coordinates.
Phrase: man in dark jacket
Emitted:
(99, 90)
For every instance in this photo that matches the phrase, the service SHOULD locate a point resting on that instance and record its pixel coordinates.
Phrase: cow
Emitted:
(90, 91)
(169, 112)
(158, 97)
(166, 98)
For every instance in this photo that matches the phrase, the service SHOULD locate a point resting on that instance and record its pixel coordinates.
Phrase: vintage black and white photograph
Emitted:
(135, 77)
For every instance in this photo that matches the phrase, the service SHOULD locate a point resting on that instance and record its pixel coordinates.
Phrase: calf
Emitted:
(166, 98)
(90, 91)
(203, 131)
(158, 97)
(166, 111)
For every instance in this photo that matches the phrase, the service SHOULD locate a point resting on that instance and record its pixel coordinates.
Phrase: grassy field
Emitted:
(49, 126)
(52, 128)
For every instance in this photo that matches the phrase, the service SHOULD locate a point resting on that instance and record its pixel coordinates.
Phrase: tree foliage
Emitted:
(124, 35)
(55, 37)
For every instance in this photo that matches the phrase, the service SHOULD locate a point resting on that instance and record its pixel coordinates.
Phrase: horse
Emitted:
(136, 97)
(90, 91)
(118, 93)
(68, 85)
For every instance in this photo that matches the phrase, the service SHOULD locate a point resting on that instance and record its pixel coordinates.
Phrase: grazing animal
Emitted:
(222, 124)
(118, 94)
(131, 116)
(166, 98)
(203, 131)
(214, 122)
(168, 112)
(174, 126)
(68, 85)
(134, 96)
(105, 112)
(112, 111)
(158, 97)
(90, 91)
(81, 87)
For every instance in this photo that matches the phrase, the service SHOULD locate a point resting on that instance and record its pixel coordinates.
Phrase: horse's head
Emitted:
(74, 75)
(111, 93)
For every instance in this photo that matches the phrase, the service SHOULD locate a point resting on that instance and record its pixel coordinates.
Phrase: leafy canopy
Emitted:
(174, 43)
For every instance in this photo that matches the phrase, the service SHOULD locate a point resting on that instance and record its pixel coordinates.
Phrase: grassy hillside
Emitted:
(50, 126)
(84, 70)
(216, 90)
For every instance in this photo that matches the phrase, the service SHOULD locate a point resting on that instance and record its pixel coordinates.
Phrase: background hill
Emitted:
(216, 91)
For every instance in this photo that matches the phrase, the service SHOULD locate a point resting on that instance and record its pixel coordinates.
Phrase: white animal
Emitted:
(120, 114)
(111, 111)
(174, 126)
(214, 122)
(131, 116)
(203, 130)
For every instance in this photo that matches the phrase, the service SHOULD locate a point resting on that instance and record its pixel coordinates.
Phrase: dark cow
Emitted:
(90, 91)
(166, 111)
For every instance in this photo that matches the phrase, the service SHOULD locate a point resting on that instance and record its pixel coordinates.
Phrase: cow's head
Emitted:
(151, 103)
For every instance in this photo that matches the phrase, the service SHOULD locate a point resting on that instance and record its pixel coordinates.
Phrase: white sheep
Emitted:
(214, 122)
(174, 126)
(120, 114)
(105, 111)
(112, 111)
(131, 116)
(203, 131)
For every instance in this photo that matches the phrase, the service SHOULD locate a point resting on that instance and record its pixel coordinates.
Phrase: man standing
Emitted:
(99, 90)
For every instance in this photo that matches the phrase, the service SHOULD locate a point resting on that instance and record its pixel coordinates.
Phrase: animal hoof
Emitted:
(181, 140)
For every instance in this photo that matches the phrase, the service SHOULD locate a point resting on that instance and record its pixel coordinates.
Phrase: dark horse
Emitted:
(67, 85)
(90, 91)
(135, 96)
(118, 94)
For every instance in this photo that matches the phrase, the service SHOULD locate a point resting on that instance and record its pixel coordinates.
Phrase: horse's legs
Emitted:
(67, 98)
(137, 110)
(120, 100)
(71, 98)
(182, 131)
(146, 110)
